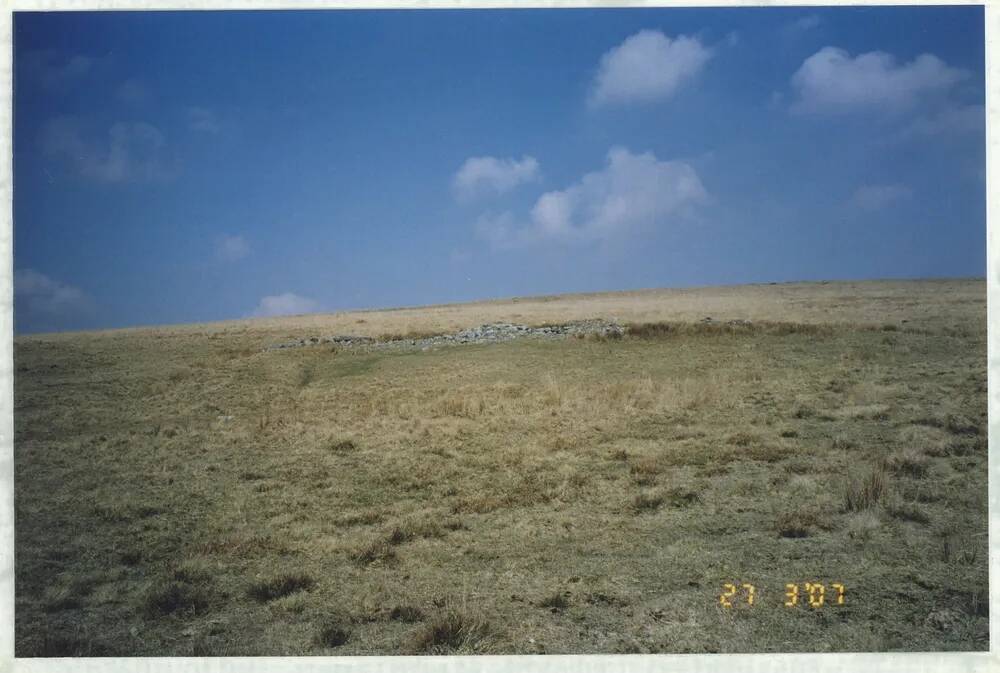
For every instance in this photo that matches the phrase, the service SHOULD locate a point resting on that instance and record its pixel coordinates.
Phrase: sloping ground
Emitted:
(930, 304)
(181, 491)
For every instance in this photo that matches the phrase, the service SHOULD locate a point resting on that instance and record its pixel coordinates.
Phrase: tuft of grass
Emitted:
(863, 525)
(797, 524)
(130, 557)
(681, 496)
(406, 614)
(277, 587)
(645, 465)
(332, 633)
(555, 601)
(742, 439)
(909, 462)
(646, 502)
(368, 518)
(960, 425)
(907, 511)
(865, 492)
(375, 552)
(449, 632)
(843, 444)
(192, 572)
(64, 598)
(305, 375)
(173, 597)
(341, 445)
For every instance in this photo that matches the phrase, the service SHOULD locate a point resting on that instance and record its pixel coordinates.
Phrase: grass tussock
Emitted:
(863, 526)
(273, 588)
(176, 598)
(406, 614)
(909, 462)
(332, 632)
(375, 552)
(451, 632)
(646, 502)
(904, 510)
(798, 523)
(864, 492)
(342, 445)
(556, 601)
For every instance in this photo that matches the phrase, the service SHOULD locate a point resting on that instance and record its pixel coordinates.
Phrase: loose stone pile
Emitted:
(490, 333)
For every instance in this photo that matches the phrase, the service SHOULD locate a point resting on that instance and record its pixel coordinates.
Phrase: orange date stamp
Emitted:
(813, 594)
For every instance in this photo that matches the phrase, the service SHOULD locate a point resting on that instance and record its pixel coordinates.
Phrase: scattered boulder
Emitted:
(488, 333)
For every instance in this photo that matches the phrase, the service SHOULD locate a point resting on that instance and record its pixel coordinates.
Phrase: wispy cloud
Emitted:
(133, 152)
(803, 24)
(202, 119)
(647, 66)
(54, 71)
(232, 248)
(878, 197)
(284, 304)
(831, 81)
(954, 119)
(43, 301)
(132, 92)
(631, 192)
(480, 176)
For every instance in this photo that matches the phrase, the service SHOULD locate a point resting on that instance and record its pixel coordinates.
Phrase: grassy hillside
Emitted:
(181, 491)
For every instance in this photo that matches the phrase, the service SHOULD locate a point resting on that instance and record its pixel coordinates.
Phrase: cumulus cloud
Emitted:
(232, 248)
(877, 197)
(645, 67)
(41, 300)
(832, 81)
(284, 304)
(53, 71)
(479, 176)
(134, 151)
(631, 192)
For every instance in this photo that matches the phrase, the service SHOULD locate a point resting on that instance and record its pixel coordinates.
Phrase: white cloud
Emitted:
(832, 81)
(41, 298)
(877, 197)
(284, 304)
(633, 191)
(202, 119)
(232, 248)
(479, 176)
(134, 152)
(647, 66)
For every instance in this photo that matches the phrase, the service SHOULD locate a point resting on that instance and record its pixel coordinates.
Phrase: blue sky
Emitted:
(178, 167)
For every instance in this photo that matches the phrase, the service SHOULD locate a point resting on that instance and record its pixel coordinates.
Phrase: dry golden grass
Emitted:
(180, 491)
